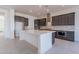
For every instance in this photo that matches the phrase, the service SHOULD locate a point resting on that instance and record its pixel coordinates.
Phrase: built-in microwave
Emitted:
(61, 33)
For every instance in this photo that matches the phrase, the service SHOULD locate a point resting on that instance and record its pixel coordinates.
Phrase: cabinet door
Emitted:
(70, 36)
(37, 24)
(18, 19)
(21, 19)
(71, 19)
(64, 20)
(43, 22)
(56, 21)
(59, 20)
(68, 19)
(53, 38)
(53, 21)
(25, 22)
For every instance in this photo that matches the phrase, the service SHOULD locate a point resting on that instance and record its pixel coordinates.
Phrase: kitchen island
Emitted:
(41, 39)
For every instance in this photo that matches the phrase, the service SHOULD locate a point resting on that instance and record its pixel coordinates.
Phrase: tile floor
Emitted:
(64, 47)
(16, 46)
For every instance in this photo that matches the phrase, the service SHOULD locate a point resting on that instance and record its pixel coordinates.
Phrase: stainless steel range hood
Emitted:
(48, 21)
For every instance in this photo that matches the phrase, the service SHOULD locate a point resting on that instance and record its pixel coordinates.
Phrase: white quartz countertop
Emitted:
(37, 32)
(62, 28)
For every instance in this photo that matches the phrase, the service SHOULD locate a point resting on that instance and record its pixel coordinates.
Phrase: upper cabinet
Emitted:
(21, 19)
(37, 24)
(40, 22)
(65, 19)
(43, 22)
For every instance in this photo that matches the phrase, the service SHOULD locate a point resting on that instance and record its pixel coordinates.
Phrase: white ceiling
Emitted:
(38, 10)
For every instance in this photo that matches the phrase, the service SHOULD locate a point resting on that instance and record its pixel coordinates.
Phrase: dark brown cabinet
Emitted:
(25, 21)
(43, 22)
(65, 35)
(66, 19)
(18, 19)
(70, 36)
(21, 19)
(53, 38)
(39, 22)
(71, 18)
(55, 20)
(63, 20)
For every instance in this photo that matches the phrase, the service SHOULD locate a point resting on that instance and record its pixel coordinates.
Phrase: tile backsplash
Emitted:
(66, 28)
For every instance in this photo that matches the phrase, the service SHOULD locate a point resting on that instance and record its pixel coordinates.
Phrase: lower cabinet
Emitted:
(53, 38)
(68, 35)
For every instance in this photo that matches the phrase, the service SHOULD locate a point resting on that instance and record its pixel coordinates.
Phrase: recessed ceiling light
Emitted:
(31, 11)
(62, 5)
(40, 6)
(46, 6)
(48, 10)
